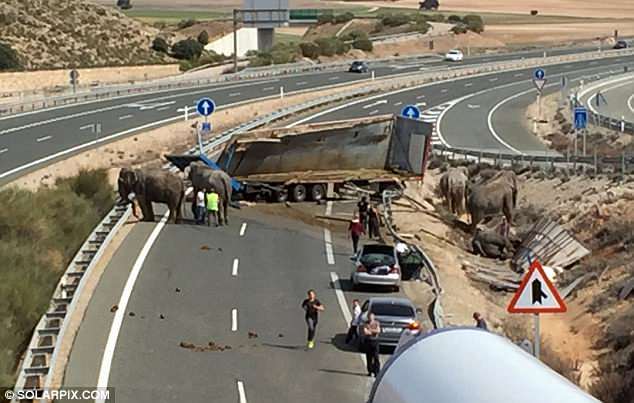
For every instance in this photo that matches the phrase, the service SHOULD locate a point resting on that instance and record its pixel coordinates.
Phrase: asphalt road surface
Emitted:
(616, 98)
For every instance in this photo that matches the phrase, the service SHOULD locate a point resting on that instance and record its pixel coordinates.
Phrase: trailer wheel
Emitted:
(317, 192)
(279, 197)
(299, 193)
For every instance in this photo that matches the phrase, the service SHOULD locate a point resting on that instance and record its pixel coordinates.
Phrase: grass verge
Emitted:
(40, 232)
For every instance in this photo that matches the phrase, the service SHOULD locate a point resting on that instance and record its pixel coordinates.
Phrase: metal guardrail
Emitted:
(41, 354)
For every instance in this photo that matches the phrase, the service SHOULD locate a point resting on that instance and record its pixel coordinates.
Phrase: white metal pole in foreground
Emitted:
(536, 341)
(372, 75)
(281, 92)
(200, 138)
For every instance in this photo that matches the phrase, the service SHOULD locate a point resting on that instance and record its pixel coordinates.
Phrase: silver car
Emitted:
(376, 264)
(394, 314)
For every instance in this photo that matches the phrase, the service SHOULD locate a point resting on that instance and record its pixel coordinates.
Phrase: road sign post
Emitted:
(74, 79)
(581, 123)
(539, 81)
(536, 294)
(205, 107)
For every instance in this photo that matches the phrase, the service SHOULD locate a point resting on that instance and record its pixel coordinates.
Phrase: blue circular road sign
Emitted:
(205, 106)
(411, 111)
(539, 74)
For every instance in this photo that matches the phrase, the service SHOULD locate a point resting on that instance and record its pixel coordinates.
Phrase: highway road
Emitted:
(616, 97)
(34, 139)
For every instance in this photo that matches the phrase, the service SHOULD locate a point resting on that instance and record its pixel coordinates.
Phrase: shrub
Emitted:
(343, 18)
(160, 45)
(190, 22)
(454, 19)
(309, 49)
(210, 57)
(422, 27)
(8, 58)
(363, 44)
(262, 59)
(188, 49)
(459, 29)
(474, 23)
(435, 17)
(534, 12)
(327, 46)
(354, 35)
(395, 20)
(325, 18)
(203, 38)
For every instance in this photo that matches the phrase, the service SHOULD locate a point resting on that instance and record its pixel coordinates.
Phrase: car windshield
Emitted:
(357, 63)
(454, 52)
(388, 309)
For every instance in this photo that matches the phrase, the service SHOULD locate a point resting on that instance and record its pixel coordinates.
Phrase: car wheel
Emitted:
(299, 193)
(317, 192)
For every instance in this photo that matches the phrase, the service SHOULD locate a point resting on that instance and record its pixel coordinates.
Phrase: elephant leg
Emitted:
(147, 210)
(173, 213)
(225, 211)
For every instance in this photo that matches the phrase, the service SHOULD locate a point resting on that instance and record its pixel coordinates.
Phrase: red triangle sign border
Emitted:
(535, 265)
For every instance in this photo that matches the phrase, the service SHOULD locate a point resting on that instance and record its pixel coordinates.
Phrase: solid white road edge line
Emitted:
(241, 393)
(630, 103)
(243, 229)
(330, 256)
(343, 305)
(108, 354)
(234, 320)
(234, 270)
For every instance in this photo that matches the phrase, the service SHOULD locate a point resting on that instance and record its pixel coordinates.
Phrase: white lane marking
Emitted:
(630, 103)
(163, 108)
(590, 88)
(490, 120)
(234, 320)
(241, 393)
(268, 88)
(374, 112)
(472, 106)
(106, 360)
(333, 78)
(398, 104)
(379, 102)
(243, 229)
(444, 90)
(518, 75)
(330, 256)
(86, 127)
(420, 97)
(124, 117)
(468, 84)
(329, 207)
(234, 270)
(39, 140)
(422, 104)
(343, 305)
(301, 83)
(234, 94)
(4, 150)
(493, 79)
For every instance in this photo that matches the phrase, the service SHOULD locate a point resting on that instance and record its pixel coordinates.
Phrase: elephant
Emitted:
(452, 187)
(489, 199)
(491, 244)
(203, 177)
(492, 175)
(152, 185)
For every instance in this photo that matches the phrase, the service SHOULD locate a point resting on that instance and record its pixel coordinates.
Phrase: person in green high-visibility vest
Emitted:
(212, 200)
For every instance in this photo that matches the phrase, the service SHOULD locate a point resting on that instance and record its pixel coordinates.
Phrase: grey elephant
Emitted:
(504, 175)
(203, 177)
(453, 185)
(152, 185)
(489, 199)
(491, 244)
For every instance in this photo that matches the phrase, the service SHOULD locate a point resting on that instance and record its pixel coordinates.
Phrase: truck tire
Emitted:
(317, 192)
(299, 193)
(279, 197)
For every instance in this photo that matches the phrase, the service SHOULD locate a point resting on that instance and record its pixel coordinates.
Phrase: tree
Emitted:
(203, 38)
(160, 45)
(8, 58)
(474, 23)
(327, 46)
(124, 4)
(189, 49)
(309, 49)
(363, 44)
(454, 19)
(343, 18)
(325, 18)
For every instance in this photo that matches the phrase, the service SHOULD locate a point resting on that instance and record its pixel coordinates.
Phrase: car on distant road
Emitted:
(454, 55)
(394, 314)
(376, 264)
(359, 67)
(621, 44)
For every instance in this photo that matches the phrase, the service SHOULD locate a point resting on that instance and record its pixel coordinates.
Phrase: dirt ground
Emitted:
(558, 33)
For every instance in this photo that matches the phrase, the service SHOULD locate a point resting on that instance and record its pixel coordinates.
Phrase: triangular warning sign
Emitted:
(536, 294)
(539, 84)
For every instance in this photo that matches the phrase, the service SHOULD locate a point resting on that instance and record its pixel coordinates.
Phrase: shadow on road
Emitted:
(341, 372)
(339, 341)
(285, 346)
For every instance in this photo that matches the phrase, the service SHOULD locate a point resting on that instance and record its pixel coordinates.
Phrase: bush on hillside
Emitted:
(354, 35)
(188, 49)
(363, 44)
(186, 23)
(39, 234)
(325, 18)
(395, 20)
(459, 29)
(474, 23)
(309, 49)
(160, 45)
(203, 38)
(343, 18)
(327, 46)
(454, 19)
(435, 17)
(8, 58)
(262, 59)
(422, 27)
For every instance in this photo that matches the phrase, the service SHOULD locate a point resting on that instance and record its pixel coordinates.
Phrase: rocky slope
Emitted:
(74, 33)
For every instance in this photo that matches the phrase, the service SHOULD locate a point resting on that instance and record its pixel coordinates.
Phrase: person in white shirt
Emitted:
(200, 207)
(356, 317)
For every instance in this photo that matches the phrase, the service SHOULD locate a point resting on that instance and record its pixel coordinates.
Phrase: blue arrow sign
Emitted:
(205, 106)
(581, 117)
(539, 74)
(411, 111)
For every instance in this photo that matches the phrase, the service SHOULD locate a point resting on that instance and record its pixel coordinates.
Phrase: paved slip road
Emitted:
(31, 140)
(617, 97)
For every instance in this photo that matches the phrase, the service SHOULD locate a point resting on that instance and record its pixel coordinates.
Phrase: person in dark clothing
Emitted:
(355, 230)
(312, 306)
(370, 332)
(373, 223)
(362, 206)
(480, 322)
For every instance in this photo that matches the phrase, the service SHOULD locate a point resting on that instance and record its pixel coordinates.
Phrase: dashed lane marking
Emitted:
(234, 94)
(124, 117)
(39, 140)
(330, 256)
(468, 84)
(234, 320)
(243, 229)
(234, 270)
(241, 393)
(301, 83)
(4, 150)
(374, 112)
(398, 104)
(333, 78)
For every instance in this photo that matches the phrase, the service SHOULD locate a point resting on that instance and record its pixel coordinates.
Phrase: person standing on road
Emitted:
(212, 200)
(370, 332)
(199, 211)
(480, 322)
(373, 222)
(362, 206)
(354, 323)
(312, 306)
(355, 230)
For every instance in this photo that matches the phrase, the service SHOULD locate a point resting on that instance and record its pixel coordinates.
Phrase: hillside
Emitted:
(73, 33)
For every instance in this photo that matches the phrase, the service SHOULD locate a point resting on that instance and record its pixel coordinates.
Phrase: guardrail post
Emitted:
(596, 167)
(480, 157)
(623, 163)
(282, 92)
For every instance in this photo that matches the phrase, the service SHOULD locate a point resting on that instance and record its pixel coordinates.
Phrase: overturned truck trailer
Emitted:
(314, 161)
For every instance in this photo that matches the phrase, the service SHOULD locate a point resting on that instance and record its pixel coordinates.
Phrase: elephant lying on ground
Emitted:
(491, 244)
(152, 185)
(453, 186)
(203, 177)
